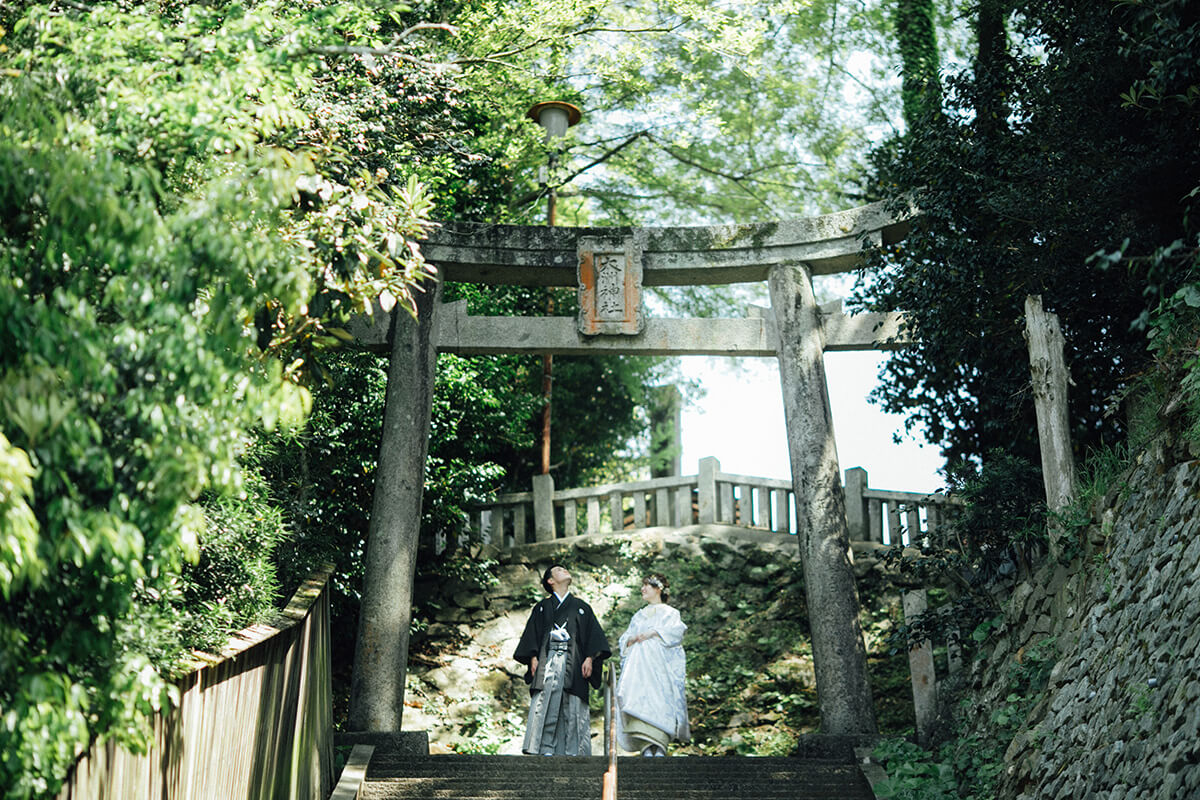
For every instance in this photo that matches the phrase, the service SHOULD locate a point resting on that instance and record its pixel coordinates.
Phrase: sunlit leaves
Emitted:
(361, 242)
(745, 102)
(153, 203)
(19, 561)
(754, 110)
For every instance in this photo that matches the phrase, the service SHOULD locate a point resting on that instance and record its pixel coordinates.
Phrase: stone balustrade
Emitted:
(889, 517)
(710, 496)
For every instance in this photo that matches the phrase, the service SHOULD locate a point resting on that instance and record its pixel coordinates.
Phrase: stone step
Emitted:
(647, 768)
(715, 763)
(387, 791)
(687, 778)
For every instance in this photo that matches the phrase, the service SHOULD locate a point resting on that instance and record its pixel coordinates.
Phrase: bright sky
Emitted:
(740, 421)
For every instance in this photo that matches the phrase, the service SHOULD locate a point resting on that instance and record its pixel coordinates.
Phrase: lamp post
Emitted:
(555, 117)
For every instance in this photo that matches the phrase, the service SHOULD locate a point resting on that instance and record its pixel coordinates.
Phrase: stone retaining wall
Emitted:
(1115, 639)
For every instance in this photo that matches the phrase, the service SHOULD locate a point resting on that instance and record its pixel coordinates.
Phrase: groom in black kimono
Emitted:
(564, 647)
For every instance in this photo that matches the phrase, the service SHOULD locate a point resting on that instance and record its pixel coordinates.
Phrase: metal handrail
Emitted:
(609, 791)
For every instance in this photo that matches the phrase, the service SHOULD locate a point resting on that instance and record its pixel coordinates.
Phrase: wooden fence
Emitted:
(255, 722)
(711, 496)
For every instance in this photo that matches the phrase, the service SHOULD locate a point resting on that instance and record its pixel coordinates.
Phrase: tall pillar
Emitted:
(381, 653)
(543, 507)
(1048, 370)
(920, 666)
(839, 655)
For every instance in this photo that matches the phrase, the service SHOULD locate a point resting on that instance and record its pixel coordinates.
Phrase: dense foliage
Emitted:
(694, 112)
(1039, 160)
(164, 239)
(916, 37)
(1081, 186)
(976, 551)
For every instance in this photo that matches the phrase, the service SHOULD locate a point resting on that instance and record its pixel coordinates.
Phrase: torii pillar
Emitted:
(381, 651)
(839, 654)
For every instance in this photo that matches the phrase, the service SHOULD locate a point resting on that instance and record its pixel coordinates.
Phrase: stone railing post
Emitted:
(762, 507)
(920, 664)
(593, 516)
(662, 507)
(725, 506)
(745, 506)
(683, 506)
(783, 512)
(707, 494)
(856, 505)
(616, 511)
(543, 507)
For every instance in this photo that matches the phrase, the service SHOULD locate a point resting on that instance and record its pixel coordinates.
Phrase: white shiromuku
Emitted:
(651, 687)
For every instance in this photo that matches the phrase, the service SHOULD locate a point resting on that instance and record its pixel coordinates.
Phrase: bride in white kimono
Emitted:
(650, 693)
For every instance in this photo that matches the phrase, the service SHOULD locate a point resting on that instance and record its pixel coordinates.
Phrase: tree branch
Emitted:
(737, 180)
(832, 49)
(494, 57)
(608, 155)
(390, 48)
(532, 196)
(425, 26)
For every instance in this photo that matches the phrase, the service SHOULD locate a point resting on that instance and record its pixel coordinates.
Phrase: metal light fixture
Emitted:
(555, 117)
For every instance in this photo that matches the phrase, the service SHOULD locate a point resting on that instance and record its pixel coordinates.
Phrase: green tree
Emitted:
(694, 112)
(1036, 164)
(160, 224)
(916, 39)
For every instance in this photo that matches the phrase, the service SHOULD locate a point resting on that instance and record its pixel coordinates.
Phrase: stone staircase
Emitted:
(401, 777)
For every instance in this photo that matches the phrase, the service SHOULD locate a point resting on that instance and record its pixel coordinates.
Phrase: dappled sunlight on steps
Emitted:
(394, 777)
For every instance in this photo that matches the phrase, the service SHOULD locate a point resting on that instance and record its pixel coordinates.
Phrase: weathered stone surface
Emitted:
(610, 284)
(1020, 596)
(389, 742)
(1123, 700)
(464, 334)
(381, 652)
(794, 670)
(843, 691)
(1050, 377)
(502, 631)
(469, 600)
(547, 256)
(757, 575)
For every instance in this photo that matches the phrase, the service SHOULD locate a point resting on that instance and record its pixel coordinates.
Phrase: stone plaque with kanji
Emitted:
(610, 286)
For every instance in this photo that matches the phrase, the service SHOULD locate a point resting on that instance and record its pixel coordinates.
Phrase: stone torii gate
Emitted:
(611, 268)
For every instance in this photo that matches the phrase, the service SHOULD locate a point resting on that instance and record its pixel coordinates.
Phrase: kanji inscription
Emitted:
(610, 286)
